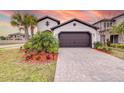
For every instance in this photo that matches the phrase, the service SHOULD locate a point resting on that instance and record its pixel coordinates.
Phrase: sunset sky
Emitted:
(90, 16)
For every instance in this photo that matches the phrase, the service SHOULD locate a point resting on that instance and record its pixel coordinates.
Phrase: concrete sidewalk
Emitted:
(11, 46)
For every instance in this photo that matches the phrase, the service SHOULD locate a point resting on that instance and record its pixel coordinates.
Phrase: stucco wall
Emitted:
(119, 20)
(78, 28)
(42, 24)
(121, 39)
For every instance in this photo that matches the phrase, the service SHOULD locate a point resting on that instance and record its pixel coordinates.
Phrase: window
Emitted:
(47, 23)
(114, 38)
(102, 39)
(110, 23)
(107, 24)
(104, 24)
(74, 24)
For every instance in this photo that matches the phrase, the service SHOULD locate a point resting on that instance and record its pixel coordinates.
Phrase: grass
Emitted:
(118, 53)
(1, 49)
(12, 69)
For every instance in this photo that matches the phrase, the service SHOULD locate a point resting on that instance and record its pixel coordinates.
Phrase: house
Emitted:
(72, 33)
(16, 36)
(105, 25)
(46, 23)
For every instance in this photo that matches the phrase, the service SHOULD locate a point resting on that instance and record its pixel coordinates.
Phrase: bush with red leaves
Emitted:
(40, 57)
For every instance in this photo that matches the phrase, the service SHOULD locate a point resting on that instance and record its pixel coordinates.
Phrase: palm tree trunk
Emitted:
(32, 31)
(26, 33)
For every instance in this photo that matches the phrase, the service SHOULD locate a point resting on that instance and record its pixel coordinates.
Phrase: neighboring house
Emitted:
(73, 33)
(16, 36)
(105, 25)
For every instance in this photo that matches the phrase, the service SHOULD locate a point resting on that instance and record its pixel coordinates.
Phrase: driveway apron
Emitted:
(87, 65)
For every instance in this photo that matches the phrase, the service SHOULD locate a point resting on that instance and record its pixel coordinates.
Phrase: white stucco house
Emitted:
(46, 23)
(72, 33)
(105, 25)
(77, 33)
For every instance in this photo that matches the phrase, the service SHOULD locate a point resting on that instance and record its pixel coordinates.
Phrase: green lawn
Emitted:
(118, 53)
(12, 69)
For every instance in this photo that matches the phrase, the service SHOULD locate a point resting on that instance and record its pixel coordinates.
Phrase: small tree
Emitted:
(2, 38)
(119, 29)
(113, 30)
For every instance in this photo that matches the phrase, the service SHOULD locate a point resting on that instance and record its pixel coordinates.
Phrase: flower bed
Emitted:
(41, 57)
(41, 48)
(101, 50)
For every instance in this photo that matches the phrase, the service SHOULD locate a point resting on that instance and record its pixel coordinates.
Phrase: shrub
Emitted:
(2, 38)
(117, 45)
(104, 48)
(42, 41)
(107, 48)
(98, 45)
(113, 45)
(108, 43)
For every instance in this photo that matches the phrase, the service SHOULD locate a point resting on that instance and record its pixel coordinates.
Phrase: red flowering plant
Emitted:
(42, 47)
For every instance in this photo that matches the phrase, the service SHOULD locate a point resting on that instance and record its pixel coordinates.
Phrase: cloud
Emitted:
(6, 12)
(62, 15)
(6, 28)
(107, 13)
(85, 15)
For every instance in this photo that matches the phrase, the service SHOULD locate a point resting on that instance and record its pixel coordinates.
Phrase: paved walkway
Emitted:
(11, 46)
(85, 64)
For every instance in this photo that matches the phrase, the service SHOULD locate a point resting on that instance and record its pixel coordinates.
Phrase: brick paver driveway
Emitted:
(86, 64)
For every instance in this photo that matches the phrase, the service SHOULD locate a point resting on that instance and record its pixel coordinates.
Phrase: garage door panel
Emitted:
(75, 39)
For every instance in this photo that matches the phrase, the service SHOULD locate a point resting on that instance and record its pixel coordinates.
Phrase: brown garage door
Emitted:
(75, 39)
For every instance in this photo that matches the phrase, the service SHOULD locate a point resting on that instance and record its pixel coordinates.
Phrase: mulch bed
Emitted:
(107, 52)
(41, 57)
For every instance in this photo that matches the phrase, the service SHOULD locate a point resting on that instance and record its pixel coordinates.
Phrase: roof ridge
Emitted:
(52, 18)
(73, 19)
(109, 18)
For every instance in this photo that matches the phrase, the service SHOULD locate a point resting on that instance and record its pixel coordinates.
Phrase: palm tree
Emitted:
(26, 24)
(22, 21)
(33, 23)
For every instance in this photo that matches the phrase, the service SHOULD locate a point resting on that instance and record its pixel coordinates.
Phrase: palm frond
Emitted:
(14, 23)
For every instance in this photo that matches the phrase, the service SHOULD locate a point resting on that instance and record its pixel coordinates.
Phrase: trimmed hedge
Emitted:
(117, 45)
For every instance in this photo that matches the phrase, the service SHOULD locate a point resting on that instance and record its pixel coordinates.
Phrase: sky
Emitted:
(89, 16)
